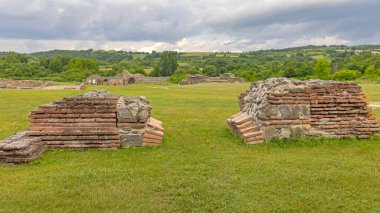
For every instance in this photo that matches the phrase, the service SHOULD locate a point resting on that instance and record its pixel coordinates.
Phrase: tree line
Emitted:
(323, 62)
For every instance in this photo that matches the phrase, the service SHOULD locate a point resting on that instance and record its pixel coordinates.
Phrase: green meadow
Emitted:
(200, 166)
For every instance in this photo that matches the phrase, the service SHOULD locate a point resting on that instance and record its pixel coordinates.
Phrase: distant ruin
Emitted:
(283, 108)
(122, 79)
(224, 78)
(94, 120)
(23, 84)
(39, 85)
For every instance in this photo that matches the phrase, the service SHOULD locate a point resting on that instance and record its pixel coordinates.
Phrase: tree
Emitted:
(83, 64)
(372, 73)
(167, 64)
(210, 70)
(56, 64)
(322, 69)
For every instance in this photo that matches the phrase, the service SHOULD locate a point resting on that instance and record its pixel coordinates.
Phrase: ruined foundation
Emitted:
(200, 79)
(283, 108)
(36, 85)
(94, 120)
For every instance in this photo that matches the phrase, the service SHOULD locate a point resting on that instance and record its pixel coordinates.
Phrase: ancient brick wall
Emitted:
(284, 108)
(94, 120)
(85, 121)
(340, 109)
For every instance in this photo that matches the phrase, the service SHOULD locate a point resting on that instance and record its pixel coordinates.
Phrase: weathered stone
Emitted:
(283, 133)
(284, 111)
(269, 133)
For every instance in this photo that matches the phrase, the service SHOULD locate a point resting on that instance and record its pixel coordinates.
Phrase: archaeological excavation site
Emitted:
(94, 120)
(280, 108)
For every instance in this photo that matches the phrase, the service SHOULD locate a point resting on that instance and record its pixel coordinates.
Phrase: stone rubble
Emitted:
(94, 120)
(19, 148)
(284, 108)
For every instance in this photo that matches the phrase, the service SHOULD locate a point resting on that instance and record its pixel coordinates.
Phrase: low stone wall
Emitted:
(199, 79)
(152, 79)
(23, 84)
(94, 120)
(284, 108)
(39, 85)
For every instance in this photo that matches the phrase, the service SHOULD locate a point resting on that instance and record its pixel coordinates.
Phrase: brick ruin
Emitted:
(94, 120)
(224, 78)
(122, 79)
(284, 108)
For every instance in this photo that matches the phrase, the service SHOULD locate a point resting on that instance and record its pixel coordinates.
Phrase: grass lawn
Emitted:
(200, 167)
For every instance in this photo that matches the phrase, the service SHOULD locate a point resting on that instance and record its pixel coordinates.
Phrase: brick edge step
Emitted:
(241, 125)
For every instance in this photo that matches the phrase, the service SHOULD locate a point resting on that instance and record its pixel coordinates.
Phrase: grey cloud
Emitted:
(351, 20)
(246, 23)
(97, 20)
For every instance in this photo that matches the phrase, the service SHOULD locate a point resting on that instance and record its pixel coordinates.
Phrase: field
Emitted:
(200, 166)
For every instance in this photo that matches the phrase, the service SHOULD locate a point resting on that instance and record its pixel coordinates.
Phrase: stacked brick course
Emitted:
(284, 108)
(340, 109)
(83, 121)
(94, 120)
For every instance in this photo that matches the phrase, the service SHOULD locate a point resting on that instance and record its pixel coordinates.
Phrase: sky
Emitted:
(187, 25)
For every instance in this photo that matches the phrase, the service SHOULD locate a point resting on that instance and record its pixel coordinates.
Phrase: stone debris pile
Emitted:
(94, 120)
(284, 108)
(20, 148)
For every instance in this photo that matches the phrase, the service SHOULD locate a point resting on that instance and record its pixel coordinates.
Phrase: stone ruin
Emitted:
(121, 79)
(94, 120)
(224, 78)
(283, 108)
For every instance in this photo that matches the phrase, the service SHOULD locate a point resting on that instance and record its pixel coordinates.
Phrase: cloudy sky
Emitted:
(185, 25)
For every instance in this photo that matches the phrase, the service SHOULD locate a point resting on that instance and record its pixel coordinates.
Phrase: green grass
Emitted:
(200, 166)
(372, 92)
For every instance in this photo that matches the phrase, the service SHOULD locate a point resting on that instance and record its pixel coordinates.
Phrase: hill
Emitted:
(328, 62)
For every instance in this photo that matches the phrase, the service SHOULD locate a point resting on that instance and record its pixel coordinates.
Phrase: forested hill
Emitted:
(326, 62)
(114, 55)
(100, 55)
